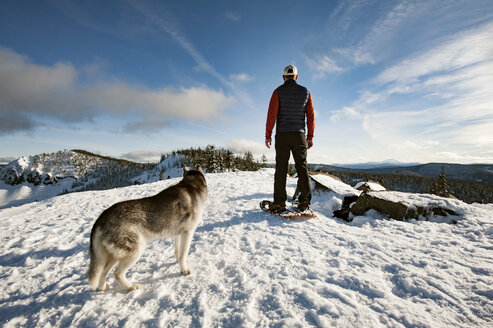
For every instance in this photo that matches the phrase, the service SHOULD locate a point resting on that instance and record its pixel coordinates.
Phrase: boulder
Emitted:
(389, 205)
(344, 211)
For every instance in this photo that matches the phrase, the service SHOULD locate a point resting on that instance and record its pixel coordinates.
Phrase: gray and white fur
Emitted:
(119, 235)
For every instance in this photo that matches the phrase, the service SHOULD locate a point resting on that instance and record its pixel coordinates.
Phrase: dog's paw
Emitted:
(133, 287)
(104, 288)
(186, 272)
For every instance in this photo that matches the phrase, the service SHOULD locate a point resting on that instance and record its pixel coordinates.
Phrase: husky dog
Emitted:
(119, 235)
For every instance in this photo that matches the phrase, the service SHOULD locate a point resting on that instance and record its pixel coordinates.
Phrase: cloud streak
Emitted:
(234, 17)
(322, 65)
(436, 101)
(28, 89)
(241, 78)
(426, 18)
(162, 22)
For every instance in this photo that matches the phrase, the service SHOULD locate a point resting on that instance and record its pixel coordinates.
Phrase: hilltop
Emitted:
(41, 176)
(250, 268)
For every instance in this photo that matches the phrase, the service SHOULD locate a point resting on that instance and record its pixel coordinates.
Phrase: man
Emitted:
(289, 105)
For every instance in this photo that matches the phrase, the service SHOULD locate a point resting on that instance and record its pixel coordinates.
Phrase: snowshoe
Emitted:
(303, 209)
(283, 212)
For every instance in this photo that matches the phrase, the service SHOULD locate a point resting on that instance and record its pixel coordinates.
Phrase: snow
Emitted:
(335, 185)
(27, 192)
(372, 185)
(250, 268)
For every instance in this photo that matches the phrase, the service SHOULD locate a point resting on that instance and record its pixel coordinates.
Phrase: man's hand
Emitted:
(309, 144)
(268, 142)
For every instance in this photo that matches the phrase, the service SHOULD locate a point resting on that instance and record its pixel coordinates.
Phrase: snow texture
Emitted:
(335, 185)
(250, 268)
(372, 185)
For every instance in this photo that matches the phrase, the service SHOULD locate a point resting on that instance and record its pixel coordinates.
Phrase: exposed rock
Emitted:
(343, 213)
(393, 204)
(368, 202)
(367, 186)
(397, 210)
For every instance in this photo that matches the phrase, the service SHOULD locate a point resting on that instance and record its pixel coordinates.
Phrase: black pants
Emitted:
(287, 143)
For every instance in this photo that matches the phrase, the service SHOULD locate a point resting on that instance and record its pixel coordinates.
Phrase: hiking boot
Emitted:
(303, 206)
(277, 208)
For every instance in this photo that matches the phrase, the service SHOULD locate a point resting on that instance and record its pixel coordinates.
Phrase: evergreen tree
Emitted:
(229, 160)
(264, 160)
(442, 184)
(212, 165)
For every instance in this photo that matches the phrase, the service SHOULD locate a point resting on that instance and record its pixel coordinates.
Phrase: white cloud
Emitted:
(242, 77)
(357, 55)
(465, 49)
(234, 17)
(243, 145)
(436, 101)
(380, 34)
(143, 156)
(162, 19)
(454, 157)
(28, 89)
(345, 112)
(403, 26)
(322, 65)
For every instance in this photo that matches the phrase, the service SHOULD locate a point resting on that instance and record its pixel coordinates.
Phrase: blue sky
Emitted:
(405, 80)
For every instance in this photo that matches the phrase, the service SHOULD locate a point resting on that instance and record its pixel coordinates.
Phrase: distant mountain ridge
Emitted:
(374, 165)
(482, 173)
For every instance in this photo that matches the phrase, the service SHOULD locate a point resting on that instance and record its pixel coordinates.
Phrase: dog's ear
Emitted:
(185, 170)
(199, 168)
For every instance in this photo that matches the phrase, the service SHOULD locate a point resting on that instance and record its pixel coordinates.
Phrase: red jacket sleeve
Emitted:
(272, 114)
(310, 117)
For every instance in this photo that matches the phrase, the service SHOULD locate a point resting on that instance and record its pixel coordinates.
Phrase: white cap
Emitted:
(290, 70)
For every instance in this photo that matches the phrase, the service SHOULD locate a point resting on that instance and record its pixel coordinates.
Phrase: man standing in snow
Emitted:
(289, 105)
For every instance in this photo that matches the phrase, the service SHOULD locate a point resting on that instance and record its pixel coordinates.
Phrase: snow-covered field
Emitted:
(250, 268)
(27, 192)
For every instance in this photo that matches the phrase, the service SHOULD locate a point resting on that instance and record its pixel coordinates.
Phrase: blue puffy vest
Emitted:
(292, 106)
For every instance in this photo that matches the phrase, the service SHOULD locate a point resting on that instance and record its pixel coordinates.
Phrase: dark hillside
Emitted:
(467, 191)
(482, 173)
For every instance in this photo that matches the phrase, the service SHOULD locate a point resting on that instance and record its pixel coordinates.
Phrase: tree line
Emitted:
(467, 191)
(216, 160)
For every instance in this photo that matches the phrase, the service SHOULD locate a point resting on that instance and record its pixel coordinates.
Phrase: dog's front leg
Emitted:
(177, 248)
(186, 239)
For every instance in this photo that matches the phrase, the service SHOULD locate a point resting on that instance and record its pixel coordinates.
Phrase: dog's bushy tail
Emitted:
(94, 268)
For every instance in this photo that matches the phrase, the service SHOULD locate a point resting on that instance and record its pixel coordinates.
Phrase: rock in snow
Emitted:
(369, 186)
(250, 268)
(402, 206)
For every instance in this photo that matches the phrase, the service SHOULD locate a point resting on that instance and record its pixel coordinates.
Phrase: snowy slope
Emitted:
(39, 177)
(250, 268)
